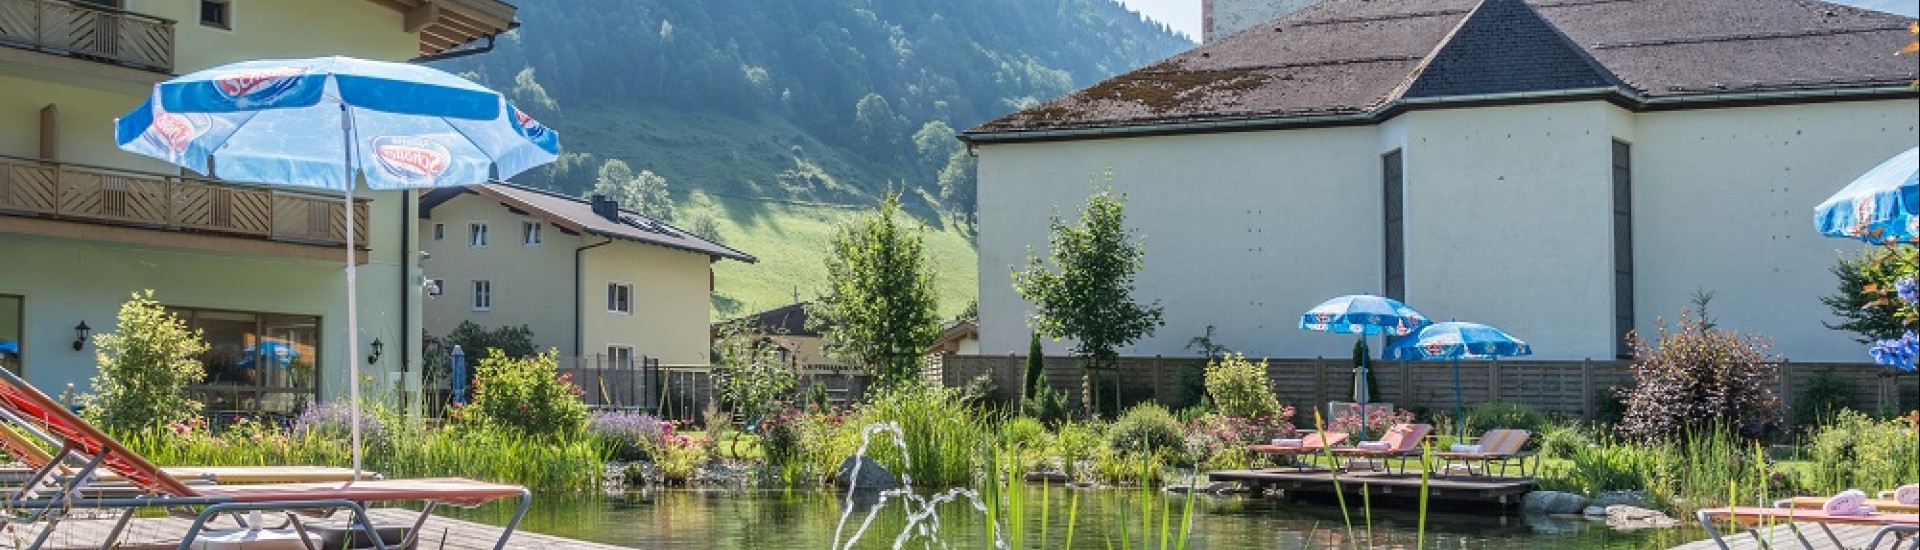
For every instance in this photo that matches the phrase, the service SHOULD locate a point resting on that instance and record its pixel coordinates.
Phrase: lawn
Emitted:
(791, 242)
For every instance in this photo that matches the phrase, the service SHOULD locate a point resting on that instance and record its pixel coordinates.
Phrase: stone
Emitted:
(1050, 476)
(1611, 498)
(1595, 512)
(1634, 518)
(870, 477)
(1553, 502)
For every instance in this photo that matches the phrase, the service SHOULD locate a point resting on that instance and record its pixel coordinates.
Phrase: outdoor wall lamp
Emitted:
(379, 349)
(80, 334)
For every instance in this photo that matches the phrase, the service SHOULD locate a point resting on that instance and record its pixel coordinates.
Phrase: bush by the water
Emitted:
(145, 364)
(1695, 376)
(526, 395)
(626, 435)
(1146, 428)
(1240, 388)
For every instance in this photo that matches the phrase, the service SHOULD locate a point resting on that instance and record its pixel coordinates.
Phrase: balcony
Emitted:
(88, 32)
(187, 206)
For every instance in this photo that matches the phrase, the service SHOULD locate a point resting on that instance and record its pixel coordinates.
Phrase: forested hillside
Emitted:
(797, 101)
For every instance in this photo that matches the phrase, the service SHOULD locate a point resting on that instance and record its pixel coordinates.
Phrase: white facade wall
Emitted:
(1508, 221)
(1242, 231)
(1723, 201)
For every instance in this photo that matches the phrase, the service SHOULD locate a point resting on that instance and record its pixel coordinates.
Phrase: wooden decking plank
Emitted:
(1782, 537)
(163, 532)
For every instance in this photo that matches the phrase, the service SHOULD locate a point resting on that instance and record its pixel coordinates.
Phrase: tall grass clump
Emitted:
(937, 428)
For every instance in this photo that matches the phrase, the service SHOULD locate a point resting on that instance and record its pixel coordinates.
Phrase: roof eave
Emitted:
(1621, 97)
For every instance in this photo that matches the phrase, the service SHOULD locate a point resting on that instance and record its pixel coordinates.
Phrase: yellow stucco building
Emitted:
(590, 279)
(83, 224)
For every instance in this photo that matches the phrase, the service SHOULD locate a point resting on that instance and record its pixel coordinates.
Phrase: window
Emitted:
(619, 356)
(1622, 247)
(255, 362)
(217, 14)
(439, 231)
(530, 233)
(11, 322)
(477, 235)
(1393, 181)
(619, 298)
(482, 295)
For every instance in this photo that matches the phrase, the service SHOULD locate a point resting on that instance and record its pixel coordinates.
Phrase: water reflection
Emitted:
(675, 520)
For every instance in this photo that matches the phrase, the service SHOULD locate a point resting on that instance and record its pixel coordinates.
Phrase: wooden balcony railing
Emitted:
(118, 197)
(90, 32)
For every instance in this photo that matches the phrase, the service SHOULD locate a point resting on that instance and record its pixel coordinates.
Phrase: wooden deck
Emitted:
(439, 533)
(1296, 484)
(1782, 537)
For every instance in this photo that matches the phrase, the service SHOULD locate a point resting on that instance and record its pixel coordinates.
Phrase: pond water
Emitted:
(673, 520)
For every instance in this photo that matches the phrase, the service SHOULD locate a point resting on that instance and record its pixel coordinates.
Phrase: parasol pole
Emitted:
(353, 295)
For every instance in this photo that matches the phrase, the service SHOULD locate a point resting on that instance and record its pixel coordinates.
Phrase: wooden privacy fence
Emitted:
(672, 392)
(1568, 388)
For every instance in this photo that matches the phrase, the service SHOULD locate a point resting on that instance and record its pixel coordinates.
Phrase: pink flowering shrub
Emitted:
(1209, 435)
(1377, 421)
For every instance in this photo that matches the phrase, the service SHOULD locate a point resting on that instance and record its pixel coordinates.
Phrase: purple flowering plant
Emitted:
(627, 435)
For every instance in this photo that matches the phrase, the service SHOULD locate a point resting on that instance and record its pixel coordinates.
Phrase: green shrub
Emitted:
(1696, 376)
(1609, 407)
(526, 395)
(1021, 432)
(1563, 440)
(1826, 395)
(1045, 404)
(1853, 451)
(1076, 442)
(144, 364)
(1146, 428)
(1515, 416)
(1240, 387)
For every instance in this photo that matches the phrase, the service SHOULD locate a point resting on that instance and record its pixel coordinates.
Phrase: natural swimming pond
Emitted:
(675, 520)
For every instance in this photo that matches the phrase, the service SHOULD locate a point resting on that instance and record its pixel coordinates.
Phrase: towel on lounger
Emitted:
(1458, 448)
(1289, 442)
(1907, 494)
(1847, 503)
(1374, 445)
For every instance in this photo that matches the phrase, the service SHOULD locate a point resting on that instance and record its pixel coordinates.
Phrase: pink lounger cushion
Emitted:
(1374, 445)
(1907, 494)
(1847, 503)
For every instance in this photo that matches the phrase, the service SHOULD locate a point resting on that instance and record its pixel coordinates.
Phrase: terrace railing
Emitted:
(77, 192)
(80, 30)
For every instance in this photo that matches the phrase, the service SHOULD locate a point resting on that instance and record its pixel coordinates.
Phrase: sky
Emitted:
(1184, 15)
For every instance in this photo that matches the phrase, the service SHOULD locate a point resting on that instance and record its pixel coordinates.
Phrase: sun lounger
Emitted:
(1313, 443)
(165, 491)
(1402, 441)
(1500, 447)
(1889, 524)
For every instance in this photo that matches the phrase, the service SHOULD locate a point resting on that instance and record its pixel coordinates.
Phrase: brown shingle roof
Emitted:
(1359, 57)
(577, 215)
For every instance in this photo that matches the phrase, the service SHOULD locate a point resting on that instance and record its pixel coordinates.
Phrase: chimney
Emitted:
(605, 207)
(1220, 18)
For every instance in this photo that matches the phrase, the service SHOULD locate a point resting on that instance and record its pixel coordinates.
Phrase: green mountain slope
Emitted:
(740, 102)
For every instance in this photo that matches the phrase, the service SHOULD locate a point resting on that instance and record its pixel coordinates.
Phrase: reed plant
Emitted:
(935, 424)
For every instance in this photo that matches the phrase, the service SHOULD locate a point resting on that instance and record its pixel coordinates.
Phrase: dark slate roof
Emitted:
(577, 214)
(789, 320)
(1360, 58)
(1505, 47)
